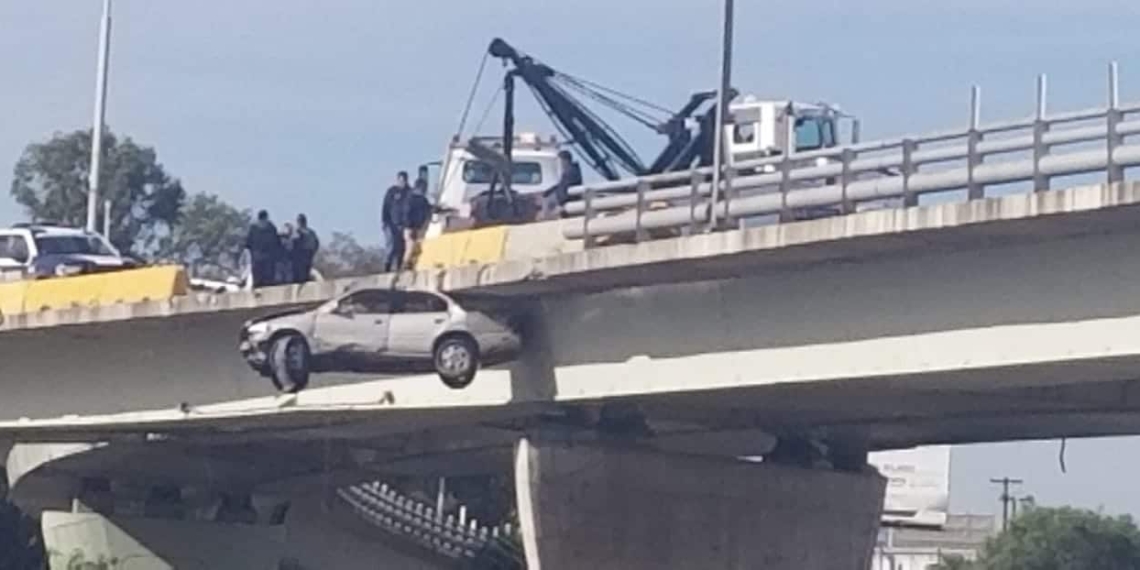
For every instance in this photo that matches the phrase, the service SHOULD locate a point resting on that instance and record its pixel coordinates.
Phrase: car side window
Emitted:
(370, 302)
(14, 248)
(416, 302)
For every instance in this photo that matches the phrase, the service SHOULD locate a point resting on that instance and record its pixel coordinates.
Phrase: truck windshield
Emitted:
(479, 172)
(814, 133)
(72, 245)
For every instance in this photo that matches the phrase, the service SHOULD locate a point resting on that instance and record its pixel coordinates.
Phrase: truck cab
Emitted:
(760, 128)
(464, 175)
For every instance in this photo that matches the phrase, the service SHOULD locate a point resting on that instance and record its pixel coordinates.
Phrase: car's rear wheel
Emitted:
(289, 363)
(456, 360)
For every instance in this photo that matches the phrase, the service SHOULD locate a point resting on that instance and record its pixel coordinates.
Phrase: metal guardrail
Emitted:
(458, 539)
(842, 177)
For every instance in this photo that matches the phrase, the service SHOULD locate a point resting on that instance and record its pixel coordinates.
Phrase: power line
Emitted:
(1005, 498)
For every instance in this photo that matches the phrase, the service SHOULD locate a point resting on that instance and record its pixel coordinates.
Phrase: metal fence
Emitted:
(840, 178)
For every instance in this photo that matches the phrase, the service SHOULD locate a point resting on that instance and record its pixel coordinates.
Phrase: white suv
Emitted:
(50, 251)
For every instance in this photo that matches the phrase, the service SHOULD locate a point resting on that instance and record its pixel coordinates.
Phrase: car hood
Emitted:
(53, 259)
(278, 315)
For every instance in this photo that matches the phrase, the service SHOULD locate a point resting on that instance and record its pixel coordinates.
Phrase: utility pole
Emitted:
(100, 115)
(722, 102)
(1005, 498)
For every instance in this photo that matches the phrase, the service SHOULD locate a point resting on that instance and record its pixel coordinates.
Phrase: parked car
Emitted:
(380, 330)
(39, 251)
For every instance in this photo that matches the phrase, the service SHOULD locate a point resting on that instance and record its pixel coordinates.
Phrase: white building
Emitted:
(903, 548)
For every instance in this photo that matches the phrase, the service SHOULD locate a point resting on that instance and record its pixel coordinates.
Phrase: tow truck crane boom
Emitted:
(597, 142)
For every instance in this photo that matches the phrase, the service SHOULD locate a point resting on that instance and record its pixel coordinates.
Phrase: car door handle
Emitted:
(379, 321)
(439, 321)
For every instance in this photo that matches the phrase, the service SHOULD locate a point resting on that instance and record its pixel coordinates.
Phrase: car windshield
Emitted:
(72, 245)
(479, 172)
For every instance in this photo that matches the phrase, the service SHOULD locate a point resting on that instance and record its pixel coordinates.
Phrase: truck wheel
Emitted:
(456, 360)
(289, 363)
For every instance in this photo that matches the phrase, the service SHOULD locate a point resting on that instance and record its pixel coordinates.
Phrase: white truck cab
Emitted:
(463, 176)
(760, 128)
(31, 250)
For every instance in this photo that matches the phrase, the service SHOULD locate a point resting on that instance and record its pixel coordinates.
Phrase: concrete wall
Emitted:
(609, 508)
(313, 537)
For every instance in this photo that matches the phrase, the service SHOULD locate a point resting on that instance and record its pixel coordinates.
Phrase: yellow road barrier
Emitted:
(484, 245)
(129, 286)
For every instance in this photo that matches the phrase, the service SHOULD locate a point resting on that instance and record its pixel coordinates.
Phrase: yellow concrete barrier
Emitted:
(12, 297)
(484, 245)
(130, 286)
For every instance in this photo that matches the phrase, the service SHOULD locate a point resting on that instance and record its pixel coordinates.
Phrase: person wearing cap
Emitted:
(554, 198)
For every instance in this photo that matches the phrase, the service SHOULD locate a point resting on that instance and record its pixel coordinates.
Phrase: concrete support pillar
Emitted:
(611, 508)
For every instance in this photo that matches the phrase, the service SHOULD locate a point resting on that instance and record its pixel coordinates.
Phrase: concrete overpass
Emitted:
(1000, 319)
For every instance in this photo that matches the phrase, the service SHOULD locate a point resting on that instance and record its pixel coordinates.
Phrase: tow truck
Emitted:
(496, 180)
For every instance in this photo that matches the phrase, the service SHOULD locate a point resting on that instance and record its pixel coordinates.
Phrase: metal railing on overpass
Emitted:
(840, 178)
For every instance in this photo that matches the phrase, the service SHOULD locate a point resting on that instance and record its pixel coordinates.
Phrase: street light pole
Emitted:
(100, 115)
(722, 102)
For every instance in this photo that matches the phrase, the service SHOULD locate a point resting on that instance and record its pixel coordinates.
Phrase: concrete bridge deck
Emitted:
(1020, 327)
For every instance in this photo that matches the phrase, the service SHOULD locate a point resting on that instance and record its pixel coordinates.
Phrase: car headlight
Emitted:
(65, 270)
(258, 329)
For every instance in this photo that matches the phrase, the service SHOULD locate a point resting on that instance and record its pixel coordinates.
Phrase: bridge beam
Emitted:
(628, 508)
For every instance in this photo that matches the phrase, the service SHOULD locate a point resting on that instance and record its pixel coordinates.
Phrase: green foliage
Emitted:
(1064, 539)
(208, 237)
(51, 184)
(954, 563)
(342, 256)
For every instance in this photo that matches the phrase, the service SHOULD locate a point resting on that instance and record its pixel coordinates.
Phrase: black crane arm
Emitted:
(596, 140)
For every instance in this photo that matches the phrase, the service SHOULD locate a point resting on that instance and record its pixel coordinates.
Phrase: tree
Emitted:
(953, 562)
(51, 184)
(1064, 539)
(344, 257)
(207, 238)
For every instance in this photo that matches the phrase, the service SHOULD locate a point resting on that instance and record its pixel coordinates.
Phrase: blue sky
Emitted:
(305, 106)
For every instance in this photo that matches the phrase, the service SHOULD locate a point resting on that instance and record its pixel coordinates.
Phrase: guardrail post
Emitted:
(974, 191)
(845, 179)
(785, 171)
(908, 168)
(1040, 127)
(727, 177)
(1113, 118)
(588, 202)
(694, 195)
(638, 231)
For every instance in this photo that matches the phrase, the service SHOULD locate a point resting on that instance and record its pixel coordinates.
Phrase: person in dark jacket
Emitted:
(394, 215)
(264, 245)
(558, 195)
(305, 246)
(419, 216)
(421, 183)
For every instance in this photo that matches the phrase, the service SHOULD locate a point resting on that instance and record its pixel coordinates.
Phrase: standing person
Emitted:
(285, 260)
(305, 246)
(394, 215)
(419, 216)
(421, 183)
(264, 247)
(558, 195)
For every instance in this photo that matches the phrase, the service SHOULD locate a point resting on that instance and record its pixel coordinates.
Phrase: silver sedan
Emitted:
(379, 330)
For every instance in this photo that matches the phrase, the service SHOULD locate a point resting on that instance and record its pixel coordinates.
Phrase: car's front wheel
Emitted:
(289, 363)
(456, 360)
